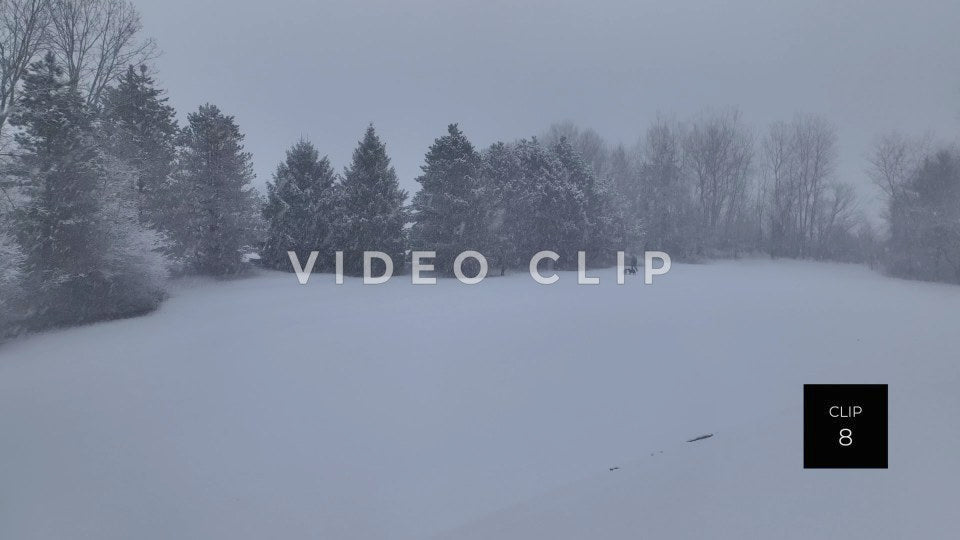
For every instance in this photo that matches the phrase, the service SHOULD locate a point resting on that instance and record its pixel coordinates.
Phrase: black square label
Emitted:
(845, 426)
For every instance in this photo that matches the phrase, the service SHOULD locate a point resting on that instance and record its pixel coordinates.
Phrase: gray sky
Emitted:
(507, 69)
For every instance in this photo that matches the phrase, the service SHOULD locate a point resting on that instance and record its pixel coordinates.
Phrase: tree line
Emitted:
(104, 194)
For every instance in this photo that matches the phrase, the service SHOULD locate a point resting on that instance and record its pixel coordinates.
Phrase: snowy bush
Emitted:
(123, 276)
(133, 267)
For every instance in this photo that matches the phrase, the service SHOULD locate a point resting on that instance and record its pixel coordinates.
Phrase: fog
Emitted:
(504, 70)
(167, 371)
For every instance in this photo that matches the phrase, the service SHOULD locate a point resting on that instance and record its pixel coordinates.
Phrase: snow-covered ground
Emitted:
(260, 408)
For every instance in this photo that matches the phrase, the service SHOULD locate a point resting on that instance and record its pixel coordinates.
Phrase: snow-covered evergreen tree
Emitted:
(553, 203)
(372, 214)
(75, 242)
(133, 255)
(141, 128)
(538, 203)
(300, 206)
(591, 147)
(594, 220)
(924, 220)
(448, 210)
(503, 213)
(216, 217)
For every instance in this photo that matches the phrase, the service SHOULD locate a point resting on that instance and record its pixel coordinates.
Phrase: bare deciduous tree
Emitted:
(893, 158)
(23, 25)
(587, 142)
(799, 161)
(777, 186)
(718, 152)
(96, 40)
(837, 219)
(817, 155)
(664, 197)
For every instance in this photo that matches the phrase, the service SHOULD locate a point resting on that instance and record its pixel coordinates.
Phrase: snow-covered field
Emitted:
(260, 408)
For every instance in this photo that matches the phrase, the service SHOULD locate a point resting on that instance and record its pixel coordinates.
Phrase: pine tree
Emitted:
(503, 215)
(552, 203)
(58, 228)
(372, 213)
(216, 218)
(448, 211)
(75, 242)
(140, 128)
(537, 204)
(924, 220)
(590, 212)
(299, 209)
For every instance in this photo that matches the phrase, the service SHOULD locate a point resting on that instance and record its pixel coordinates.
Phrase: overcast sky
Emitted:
(508, 69)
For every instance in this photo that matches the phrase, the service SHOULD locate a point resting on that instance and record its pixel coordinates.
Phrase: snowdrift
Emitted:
(260, 408)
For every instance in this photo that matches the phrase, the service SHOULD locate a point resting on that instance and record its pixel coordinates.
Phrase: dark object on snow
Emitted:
(633, 265)
(613, 468)
(702, 437)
